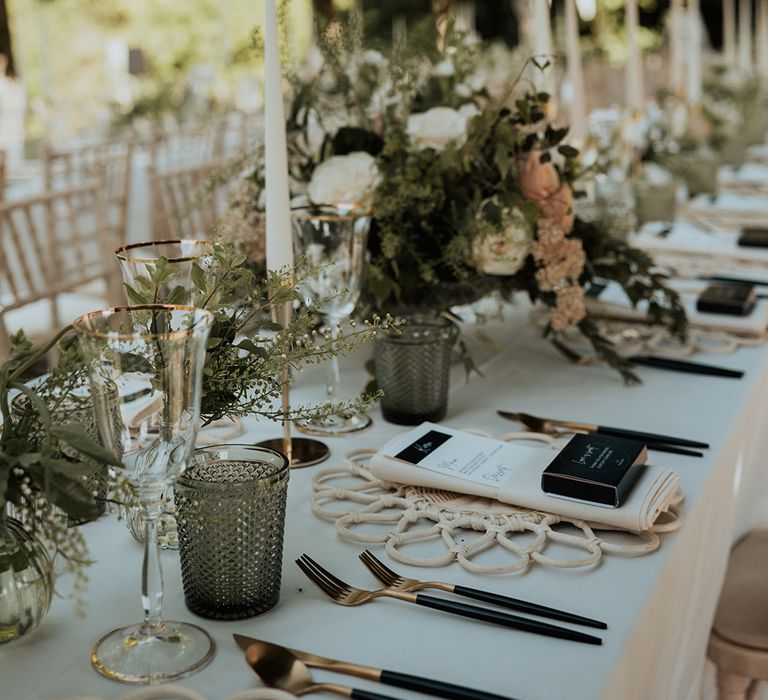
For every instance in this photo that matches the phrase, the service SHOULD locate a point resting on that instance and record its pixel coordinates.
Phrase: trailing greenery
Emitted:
(47, 463)
(247, 350)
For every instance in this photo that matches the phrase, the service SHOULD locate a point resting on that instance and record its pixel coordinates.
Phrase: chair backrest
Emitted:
(187, 203)
(2, 175)
(187, 146)
(51, 244)
(108, 164)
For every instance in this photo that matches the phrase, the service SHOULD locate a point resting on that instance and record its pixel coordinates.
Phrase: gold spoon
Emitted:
(277, 667)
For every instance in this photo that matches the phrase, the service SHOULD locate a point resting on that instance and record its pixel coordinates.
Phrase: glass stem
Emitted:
(152, 571)
(332, 377)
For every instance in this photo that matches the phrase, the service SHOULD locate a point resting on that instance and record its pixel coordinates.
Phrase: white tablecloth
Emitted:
(659, 607)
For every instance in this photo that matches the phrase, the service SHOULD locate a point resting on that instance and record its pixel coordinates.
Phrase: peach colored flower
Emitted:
(698, 126)
(548, 233)
(569, 309)
(538, 180)
(558, 207)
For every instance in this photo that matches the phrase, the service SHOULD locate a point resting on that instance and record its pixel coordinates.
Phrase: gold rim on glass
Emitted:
(353, 211)
(81, 324)
(123, 251)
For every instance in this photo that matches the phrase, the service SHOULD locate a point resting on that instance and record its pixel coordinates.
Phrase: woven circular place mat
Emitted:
(466, 525)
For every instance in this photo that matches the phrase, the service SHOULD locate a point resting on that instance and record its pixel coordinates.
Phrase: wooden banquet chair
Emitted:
(187, 203)
(56, 262)
(187, 146)
(109, 164)
(2, 175)
(738, 643)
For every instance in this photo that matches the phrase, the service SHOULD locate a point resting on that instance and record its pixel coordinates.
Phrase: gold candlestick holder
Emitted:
(300, 451)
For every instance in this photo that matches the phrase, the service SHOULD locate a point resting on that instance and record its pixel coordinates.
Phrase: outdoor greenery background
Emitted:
(62, 44)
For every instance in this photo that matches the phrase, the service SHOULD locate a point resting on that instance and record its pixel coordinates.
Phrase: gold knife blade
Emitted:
(316, 661)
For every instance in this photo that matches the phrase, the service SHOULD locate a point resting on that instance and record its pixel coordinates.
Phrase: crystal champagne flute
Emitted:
(181, 254)
(333, 239)
(145, 370)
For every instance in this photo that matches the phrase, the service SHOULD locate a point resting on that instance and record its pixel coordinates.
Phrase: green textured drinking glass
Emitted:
(145, 368)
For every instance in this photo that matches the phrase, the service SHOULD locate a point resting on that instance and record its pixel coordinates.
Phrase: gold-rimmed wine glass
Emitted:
(333, 239)
(181, 254)
(136, 260)
(145, 368)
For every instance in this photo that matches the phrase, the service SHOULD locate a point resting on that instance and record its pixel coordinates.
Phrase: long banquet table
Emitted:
(659, 607)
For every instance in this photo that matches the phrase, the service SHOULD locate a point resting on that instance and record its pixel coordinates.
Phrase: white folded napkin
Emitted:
(614, 303)
(732, 201)
(753, 175)
(691, 238)
(514, 476)
(758, 152)
(732, 209)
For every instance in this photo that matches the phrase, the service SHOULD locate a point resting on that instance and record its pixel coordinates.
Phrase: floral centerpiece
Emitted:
(471, 193)
(730, 117)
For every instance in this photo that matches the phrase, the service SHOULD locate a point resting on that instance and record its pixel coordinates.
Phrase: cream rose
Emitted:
(444, 69)
(350, 179)
(503, 252)
(439, 126)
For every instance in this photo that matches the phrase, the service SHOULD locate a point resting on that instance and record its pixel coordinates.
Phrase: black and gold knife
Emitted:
(439, 689)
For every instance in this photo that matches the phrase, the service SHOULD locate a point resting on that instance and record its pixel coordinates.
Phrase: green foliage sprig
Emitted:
(247, 350)
(47, 461)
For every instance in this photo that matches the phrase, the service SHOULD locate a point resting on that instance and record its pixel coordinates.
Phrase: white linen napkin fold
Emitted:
(521, 483)
(748, 175)
(691, 238)
(731, 209)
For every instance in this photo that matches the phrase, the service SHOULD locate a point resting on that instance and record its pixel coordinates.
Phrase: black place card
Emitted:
(754, 238)
(598, 469)
(732, 299)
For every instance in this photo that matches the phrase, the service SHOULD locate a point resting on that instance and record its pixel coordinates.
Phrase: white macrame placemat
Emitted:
(410, 514)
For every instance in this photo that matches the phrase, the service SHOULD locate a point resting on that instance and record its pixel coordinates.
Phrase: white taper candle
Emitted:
(635, 92)
(745, 35)
(578, 108)
(676, 27)
(729, 32)
(694, 83)
(278, 198)
(541, 45)
(761, 38)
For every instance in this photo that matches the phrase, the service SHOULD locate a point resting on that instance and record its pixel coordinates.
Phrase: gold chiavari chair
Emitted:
(187, 203)
(108, 164)
(174, 157)
(2, 175)
(56, 261)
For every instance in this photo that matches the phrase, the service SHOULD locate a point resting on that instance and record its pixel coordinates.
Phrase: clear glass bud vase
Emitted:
(26, 580)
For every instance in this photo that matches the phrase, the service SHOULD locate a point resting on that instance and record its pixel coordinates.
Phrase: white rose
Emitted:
(469, 111)
(444, 69)
(349, 179)
(503, 252)
(463, 90)
(437, 127)
(373, 58)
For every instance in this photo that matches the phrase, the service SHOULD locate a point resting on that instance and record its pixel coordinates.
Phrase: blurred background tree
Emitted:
(6, 49)
(89, 64)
